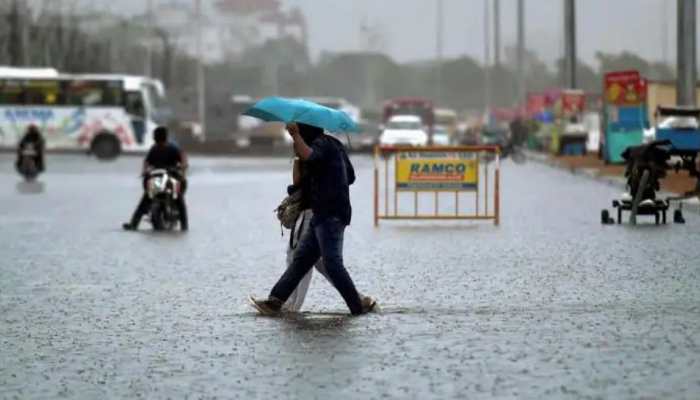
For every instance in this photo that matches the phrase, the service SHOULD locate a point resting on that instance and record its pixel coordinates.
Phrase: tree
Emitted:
(627, 60)
(587, 78)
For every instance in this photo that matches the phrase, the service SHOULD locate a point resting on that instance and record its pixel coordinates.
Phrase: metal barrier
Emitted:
(462, 170)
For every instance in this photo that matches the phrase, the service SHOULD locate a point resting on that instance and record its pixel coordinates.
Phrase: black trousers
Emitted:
(144, 206)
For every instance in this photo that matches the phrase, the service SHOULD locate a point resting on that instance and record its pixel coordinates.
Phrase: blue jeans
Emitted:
(325, 238)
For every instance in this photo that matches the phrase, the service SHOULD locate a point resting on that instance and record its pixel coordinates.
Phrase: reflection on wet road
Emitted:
(549, 305)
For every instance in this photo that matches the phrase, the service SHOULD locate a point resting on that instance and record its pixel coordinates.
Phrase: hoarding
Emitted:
(625, 88)
(436, 171)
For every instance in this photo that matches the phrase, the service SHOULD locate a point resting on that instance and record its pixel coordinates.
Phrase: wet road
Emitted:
(549, 305)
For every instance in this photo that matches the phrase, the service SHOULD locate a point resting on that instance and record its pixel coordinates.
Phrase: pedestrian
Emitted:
(330, 173)
(302, 225)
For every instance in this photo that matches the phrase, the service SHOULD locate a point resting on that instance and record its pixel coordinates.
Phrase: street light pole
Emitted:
(497, 33)
(521, 53)
(570, 43)
(438, 49)
(201, 100)
(686, 64)
(149, 51)
(487, 57)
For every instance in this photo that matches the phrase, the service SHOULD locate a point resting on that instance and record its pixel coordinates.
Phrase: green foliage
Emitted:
(626, 60)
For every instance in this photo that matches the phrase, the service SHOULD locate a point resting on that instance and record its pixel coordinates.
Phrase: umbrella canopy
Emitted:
(279, 109)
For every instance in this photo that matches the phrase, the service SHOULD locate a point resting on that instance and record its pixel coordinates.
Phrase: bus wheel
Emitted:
(106, 146)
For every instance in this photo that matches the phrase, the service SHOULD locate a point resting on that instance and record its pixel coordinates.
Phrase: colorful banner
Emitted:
(67, 126)
(625, 88)
(436, 171)
(536, 103)
(573, 102)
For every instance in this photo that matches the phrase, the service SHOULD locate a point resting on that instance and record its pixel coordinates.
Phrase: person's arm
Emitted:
(349, 169)
(300, 147)
(146, 162)
(184, 162)
(146, 167)
(296, 172)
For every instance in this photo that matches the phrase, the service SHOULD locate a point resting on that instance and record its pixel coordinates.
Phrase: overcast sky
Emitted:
(409, 26)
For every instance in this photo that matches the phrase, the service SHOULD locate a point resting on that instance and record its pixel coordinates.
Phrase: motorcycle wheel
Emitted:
(518, 156)
(157, 217)
(28, 169)
(641, 187)
(168, 218)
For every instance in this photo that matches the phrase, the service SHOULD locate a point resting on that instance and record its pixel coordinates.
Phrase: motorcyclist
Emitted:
(518, 131)
(32, 136)
(162, 155)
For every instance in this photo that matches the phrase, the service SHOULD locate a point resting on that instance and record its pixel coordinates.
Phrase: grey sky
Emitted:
(409, 25)
(608, 25)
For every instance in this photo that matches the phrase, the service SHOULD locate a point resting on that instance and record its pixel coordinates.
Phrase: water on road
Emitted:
(549, 305)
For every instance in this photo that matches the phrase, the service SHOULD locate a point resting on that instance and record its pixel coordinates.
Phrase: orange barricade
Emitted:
(440, 171)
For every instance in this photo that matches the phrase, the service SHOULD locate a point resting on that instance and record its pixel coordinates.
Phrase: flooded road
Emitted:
(548, 305)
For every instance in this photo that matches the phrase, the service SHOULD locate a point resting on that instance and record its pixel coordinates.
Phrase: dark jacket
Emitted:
(330, 174)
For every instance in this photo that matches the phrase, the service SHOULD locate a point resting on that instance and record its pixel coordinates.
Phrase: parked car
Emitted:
(404, 130)
(441, 137)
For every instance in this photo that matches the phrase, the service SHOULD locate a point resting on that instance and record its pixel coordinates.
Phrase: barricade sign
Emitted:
(457, 171)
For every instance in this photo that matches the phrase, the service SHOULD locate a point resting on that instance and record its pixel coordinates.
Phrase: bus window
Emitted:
(11, 92)
(93, 93)
(41, 92)
(113, 93)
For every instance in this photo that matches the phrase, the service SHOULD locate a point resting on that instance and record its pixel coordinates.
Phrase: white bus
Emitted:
(104, 114)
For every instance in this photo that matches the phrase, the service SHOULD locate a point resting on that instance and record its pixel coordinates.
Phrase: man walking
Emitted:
(330, 174)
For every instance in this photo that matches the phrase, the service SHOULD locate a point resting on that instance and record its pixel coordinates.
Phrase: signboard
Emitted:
(573, 102)
(436, 171)
(625, 88)
(536, 103)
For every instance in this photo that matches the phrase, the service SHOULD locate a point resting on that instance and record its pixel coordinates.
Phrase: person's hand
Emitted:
(293, 129)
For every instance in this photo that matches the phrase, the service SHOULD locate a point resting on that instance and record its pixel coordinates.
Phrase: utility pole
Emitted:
(497, 33)
(438, 49)
(521, 53)
(17, 39)
(570, 43)
(664, 32)
(687, 62)
(487, 57)
(149, 39)
(201, 90)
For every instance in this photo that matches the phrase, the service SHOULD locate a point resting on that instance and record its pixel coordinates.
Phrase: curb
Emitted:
(692, 205)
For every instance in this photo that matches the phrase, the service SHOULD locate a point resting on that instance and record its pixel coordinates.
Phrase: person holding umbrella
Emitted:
(330, 173)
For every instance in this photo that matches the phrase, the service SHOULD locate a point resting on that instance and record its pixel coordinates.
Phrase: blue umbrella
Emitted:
(279, 109)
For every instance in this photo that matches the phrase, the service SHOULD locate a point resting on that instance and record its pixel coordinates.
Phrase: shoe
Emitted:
(128, 226)
(269, 307)
(369, 304)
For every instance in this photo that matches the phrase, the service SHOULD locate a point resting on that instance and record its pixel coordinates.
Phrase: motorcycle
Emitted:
(508, 147)
(27, 163)
(163, 188)
(645, 166)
